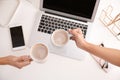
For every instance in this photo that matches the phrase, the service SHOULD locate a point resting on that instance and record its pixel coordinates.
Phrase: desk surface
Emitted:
(58, 67)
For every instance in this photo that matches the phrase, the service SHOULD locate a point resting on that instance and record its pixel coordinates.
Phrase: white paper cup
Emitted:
(39, 53)
(60, 37)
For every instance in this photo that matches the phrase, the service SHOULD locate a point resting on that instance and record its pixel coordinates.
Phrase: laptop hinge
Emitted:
(66, 16)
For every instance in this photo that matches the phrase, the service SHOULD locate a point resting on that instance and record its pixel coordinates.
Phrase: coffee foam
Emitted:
(60, 37)
(39, 52)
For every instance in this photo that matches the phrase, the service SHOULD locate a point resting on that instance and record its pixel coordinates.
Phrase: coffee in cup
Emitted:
(39, 52)
(60, 37)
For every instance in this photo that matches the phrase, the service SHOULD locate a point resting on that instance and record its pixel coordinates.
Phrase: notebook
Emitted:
(63, 14)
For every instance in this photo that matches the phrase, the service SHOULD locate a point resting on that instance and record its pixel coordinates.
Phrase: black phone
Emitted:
(17, 37)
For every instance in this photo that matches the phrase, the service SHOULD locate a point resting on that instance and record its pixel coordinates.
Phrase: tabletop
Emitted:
(57, 67)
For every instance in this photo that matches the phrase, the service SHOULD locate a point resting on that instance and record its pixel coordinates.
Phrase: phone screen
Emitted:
(17, 36)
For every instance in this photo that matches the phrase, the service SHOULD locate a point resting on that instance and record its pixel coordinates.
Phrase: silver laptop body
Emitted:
(60, 14)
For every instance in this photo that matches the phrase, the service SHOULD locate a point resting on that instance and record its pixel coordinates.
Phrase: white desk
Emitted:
(58, 67)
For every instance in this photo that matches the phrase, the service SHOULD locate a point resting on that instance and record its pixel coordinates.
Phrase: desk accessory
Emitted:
(111, 23)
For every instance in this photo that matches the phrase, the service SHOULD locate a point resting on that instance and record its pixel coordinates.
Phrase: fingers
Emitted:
(23, 64)
(72, 38)
(23, 61)
(75, 32)
(25, 58)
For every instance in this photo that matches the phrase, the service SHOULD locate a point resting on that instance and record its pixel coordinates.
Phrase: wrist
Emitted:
(89, 47)
(4, 60)
(86, 46)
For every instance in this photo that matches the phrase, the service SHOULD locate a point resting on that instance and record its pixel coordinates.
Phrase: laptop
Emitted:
(63, 14)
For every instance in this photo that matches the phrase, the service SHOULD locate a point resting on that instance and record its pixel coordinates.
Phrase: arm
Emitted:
(108, 54)
(3, 61)
(15, 61)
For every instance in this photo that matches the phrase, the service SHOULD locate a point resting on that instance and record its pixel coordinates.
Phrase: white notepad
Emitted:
(7, 10)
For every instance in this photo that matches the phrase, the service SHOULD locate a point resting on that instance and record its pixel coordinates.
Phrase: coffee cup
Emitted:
(39, 52)
(60, 37)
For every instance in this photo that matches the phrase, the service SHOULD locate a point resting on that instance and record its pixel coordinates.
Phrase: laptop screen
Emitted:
(79, 8)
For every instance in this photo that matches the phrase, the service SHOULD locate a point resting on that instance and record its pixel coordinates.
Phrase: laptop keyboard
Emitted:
(49, 24)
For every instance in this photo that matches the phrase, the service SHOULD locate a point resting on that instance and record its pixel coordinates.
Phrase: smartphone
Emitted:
(17, 37)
